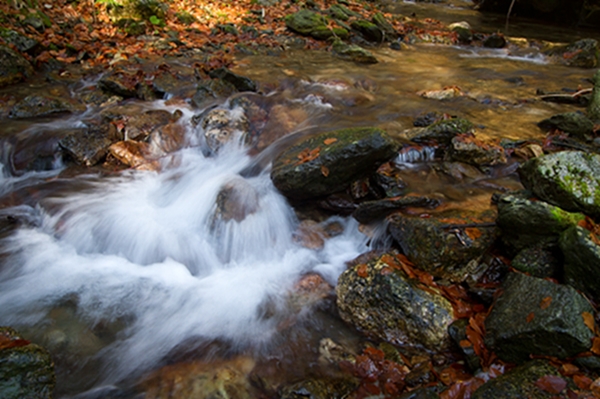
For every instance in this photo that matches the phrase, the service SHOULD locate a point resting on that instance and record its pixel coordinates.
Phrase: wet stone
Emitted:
(138, 127)
(582, 260)
(524, 222)
(134, 154)
(329, 162)
(370, 211)
(582, 54)
(539, 260)
(574, 123)
(458, 333)
(319, 388)
(14, 67)
(86, 147)
(380, 301)
(212, 89)
(495, 40)
(534, 316)
(26, 369)
(22, 43)
(223, 125)
(519, 383)
(441, 132)
(241, 83)
(468, 149)
(368, 30)
(447, 244)
(568, 179)
(41, 105)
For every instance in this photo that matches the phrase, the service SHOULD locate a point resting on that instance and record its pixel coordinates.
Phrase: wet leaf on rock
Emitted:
(596, 346)
(530, 317)
(324, 170)
(330, 141)
(582, 381)
(588, 319)
(545, 303)
(7, 343)
(551, 383)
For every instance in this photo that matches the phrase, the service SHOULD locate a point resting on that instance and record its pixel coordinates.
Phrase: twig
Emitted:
(512, 3)
(574, 95)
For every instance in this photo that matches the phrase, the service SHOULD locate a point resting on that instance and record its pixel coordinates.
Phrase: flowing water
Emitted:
(119, 274)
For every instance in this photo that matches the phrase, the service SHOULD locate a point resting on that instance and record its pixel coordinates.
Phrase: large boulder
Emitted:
(534, 316)
(448, 244)
(568, 179)
(524, 222)
(582, 53)
(14, 67)
(305, 22)
(520, 383)
(328, 162)
(378, 299)
(576, 124)
(26, 369)
(582, 260)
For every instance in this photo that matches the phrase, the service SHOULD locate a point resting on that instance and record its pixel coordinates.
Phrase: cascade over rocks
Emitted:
(568, 179)
(328, 162)
(534, 316)
(26, 369)
(379, 300)
(447, 244)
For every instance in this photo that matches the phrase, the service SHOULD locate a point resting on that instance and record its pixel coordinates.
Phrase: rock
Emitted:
(495, 40)
(458, 333)
(582, 54)
(534, 316)
(26, 369)
(341, 12)
(574, 123)
(305, 22)
(14, 68)
(468, 149)
(582, 260)
(539, 260)
(215, 380)
(352, 52)
(325, 33)
(134, 154)
(446, 93)
(35, 22)
(421, 393)
(86, 147)
(121, 83)
(385, 26)
(212, 89)
(593, 110)
(167, 139)
(241, 83)
(441, 132)
(236, 200)
(329, 162)
(568, 179)
(223, 125)
(368, 30)
(447, 244)
(138, 127)
(21, 42)
(463, 31)
(524, 222)
(518, 383)
(370, 211)
(319, 388)
(380, 301)
(34, 106)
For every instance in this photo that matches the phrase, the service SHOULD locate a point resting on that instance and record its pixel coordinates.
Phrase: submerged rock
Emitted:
(568, 179)
(86, 147)
(519, 383)
(379, 300)
(236, 200)
(582, 260)
(534, 316)
(468, 149)
(14, 67)
(370, 211)
(441, 132)
(328, 162)
(448, 244)
(352, 52)
(42, 105)
(574, 123)
(26, 369)
(524, 222)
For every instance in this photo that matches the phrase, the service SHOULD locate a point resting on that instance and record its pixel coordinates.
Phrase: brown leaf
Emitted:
(588, 319)
(330, 140)
(362, 271)
(582, 381)
(595, 346)
(530, 317)
(324, 170)
(551, 383)
(545, 302)
(465, 343)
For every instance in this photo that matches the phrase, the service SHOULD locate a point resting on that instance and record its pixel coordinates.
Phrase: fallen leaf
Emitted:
(545, 303)
(595, 346)
(588, 319)
(465, 343)
(551, 383)
(530, 317)
(568, 369)
(582, 381)
(595, 387)
(324, 170)
(362, 271)
(330, 140)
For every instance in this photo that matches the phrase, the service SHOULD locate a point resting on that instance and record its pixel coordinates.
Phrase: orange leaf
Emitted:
(588, 319)
(551, 383)
(465, 343)
(330, 141)
(545, 302)
(530, 317)
(582, 381)
(568, 369)
(324, 170)
(362, 271)
(596, 346)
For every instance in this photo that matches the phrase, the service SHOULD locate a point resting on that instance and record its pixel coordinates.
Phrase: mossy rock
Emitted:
(342, 12)
(568, 179)
(325, 33)
(538, 261)
(575, 123)
(328, 162)
(305, 21)
(441, 132)
(385, 26)
(534, 316)
(26, 369)
(14, 67)
(378, 299)
(368, 30)
(582, 260)
(352, 52)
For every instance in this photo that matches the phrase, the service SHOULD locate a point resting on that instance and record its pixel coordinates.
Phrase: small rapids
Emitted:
(143, 262)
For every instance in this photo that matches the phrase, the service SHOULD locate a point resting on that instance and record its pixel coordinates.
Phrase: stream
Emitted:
(120, 274)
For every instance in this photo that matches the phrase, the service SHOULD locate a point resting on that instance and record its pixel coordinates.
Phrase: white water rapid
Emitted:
(144, 255)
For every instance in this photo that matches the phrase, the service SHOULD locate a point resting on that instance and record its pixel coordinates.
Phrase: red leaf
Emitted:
(551, 383)
(582, 381)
